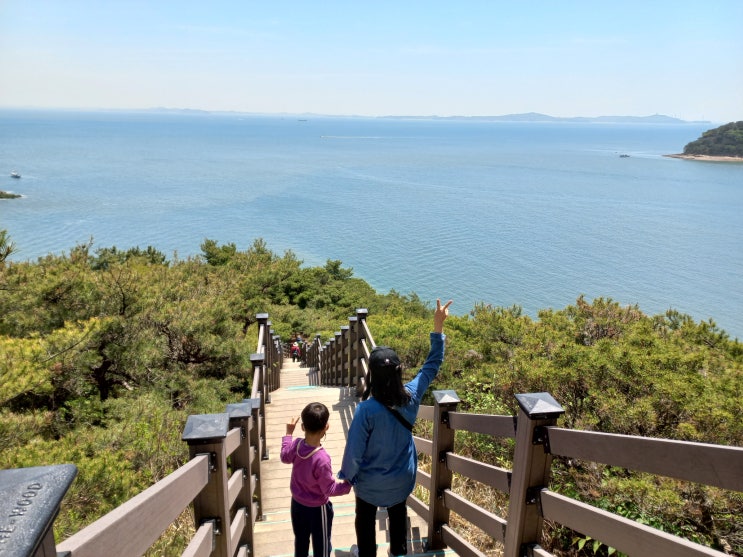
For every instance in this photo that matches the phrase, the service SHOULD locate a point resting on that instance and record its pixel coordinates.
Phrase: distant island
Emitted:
(721, 144)
(538, 117)
(6, 195)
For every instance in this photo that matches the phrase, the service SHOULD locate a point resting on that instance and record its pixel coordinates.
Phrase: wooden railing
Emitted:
(343, 360)
(221, 480)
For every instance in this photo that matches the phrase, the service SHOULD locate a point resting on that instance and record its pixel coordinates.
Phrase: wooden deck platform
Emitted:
(273, 535)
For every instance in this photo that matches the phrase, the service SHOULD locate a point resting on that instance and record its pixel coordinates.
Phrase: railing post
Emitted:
(276, 362)
(361, 315)
(323, 355)
(531, 470)
(256, 444)
(326, 371)
(269, 357)
(331, 361)
(205, 434)
(262, 319)
(265, 342)
(303, 347)
(353, 350)
(259, 372)
(443, 442)
(337, 361)
(315, 360)
(241, 416)
(343, 356)
(31, 499)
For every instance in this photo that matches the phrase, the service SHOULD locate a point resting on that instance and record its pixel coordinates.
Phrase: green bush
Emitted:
(103, 357)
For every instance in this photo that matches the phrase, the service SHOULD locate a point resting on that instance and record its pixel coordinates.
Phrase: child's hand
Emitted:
(442, 312)
(291, 425)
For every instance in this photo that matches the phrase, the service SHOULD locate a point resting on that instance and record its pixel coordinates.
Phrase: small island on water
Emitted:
(7, 195)
(722, 144)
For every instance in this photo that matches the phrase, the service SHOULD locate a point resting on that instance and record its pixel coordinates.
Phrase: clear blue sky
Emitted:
(403, 57)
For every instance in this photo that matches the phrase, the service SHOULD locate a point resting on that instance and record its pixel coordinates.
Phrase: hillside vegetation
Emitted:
(104, 354)
(725, 141)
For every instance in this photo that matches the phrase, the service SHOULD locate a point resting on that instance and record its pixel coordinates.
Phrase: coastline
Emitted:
(707, 158)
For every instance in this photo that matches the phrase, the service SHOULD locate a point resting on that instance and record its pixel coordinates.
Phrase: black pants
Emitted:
(366, 528)
(315, 523)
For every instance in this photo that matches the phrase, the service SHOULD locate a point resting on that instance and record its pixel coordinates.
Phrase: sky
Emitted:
(565, 58)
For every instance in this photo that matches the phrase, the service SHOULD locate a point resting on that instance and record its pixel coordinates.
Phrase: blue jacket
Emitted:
(380, 459)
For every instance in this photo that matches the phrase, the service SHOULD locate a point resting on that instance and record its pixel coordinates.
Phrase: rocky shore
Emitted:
(708, 158)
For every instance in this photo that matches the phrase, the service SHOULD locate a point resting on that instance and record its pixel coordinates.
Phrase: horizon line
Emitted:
(522, 115)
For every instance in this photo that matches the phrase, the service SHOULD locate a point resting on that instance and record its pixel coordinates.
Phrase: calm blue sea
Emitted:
(501, 213)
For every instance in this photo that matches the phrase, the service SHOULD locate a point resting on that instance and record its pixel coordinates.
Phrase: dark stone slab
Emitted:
(29, 502)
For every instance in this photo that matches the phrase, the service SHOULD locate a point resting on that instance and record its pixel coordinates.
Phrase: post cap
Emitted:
(205, 427)
(239, 409)
(31, 499)
(446, 397)
(257, 358)
(540, 406)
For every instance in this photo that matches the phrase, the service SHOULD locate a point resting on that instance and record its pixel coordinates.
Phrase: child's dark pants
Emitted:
(315, 523)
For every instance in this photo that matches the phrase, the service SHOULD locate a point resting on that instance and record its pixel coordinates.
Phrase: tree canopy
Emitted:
(724, 141)
(104, 353)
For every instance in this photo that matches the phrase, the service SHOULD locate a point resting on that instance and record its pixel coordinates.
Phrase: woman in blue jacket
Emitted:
(380, 459)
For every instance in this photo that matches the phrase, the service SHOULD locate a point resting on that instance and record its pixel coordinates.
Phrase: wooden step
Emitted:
(273, 534)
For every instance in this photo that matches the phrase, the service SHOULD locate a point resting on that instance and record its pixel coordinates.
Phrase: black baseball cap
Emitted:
(383, 356)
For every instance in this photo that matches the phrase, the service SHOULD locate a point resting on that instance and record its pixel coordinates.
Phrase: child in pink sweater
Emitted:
(312, 483)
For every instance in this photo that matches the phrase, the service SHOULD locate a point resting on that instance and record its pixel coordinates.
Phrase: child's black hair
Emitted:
(315, 417)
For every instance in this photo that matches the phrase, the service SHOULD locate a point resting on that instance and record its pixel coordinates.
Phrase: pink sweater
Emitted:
(312, 482)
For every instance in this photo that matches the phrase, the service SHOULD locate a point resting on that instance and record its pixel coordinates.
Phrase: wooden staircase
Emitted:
(273, 534)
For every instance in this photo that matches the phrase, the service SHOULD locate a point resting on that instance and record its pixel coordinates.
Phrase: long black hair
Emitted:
(385, 378)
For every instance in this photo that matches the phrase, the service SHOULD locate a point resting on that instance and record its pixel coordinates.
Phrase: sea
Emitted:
(501, 213)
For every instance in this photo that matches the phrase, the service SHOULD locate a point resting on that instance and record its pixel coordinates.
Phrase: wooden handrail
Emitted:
(148, 514)
(538, 440)
(226, 508)
(714, 465)
(626, 535)
(487, 474)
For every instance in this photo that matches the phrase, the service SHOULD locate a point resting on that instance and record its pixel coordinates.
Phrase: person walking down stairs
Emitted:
(380, 458)
(295, 350)
(312, 482)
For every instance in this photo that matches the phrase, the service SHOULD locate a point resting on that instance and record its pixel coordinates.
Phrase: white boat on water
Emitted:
(15, 174)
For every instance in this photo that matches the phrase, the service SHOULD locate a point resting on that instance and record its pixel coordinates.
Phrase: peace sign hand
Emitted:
(442, 312)
(291, 425)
